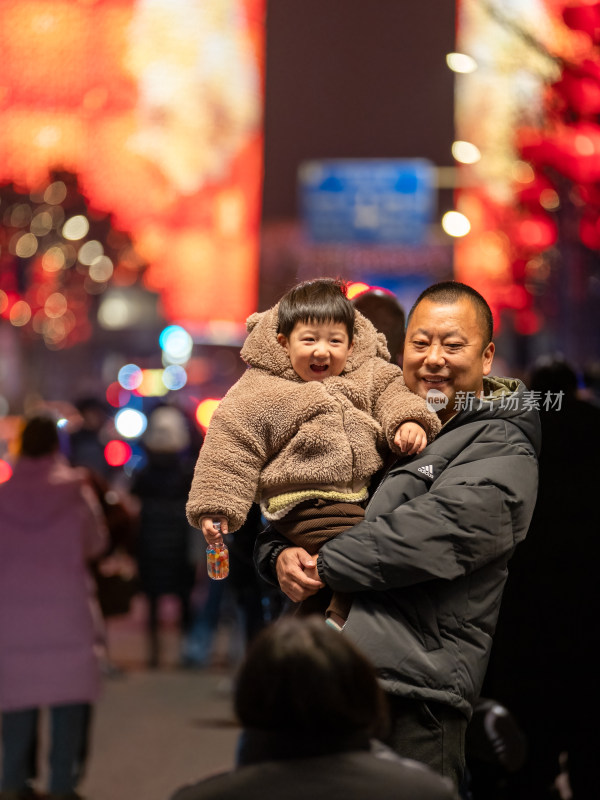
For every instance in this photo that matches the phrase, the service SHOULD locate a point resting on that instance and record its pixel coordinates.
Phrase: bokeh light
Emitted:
(117, 453)
(465, 152)
(130, 422)
(115, 312)
(56, 305)
(26, 245)
(174, 377)
(55, 193)
(101, 269)
(76, 228)
(116, 395)
(455, 224)
(53, 259)
(89, 251)
(152, 384)
(461, 62)
(354, 289)
(20, 313)
(5, 471)
(176, 344)
(41, 224)
(204, 411)
(19, 215)
(130, 376)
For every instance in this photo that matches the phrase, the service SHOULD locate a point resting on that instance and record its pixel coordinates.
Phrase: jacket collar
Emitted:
(255, 745)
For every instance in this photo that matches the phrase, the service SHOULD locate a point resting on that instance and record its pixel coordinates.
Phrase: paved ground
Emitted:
(155, 730)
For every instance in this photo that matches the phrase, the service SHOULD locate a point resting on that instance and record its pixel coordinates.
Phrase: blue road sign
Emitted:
(368, 200)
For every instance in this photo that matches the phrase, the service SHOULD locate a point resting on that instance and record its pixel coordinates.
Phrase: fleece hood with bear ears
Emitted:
(262, 350)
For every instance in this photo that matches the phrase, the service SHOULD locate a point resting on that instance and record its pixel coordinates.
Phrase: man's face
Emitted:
(317, 350)
(445, 351)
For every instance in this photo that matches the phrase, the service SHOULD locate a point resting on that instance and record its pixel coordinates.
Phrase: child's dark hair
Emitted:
(320, 300)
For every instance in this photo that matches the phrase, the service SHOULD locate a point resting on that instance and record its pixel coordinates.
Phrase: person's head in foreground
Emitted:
(448, 346)
(303, 686)
(316, 328)
(310, 706)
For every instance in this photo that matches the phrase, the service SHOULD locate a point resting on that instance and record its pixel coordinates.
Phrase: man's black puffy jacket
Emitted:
(428, 565)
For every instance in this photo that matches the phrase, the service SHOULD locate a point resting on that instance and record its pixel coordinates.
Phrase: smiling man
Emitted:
(428, 564)
(448, 346)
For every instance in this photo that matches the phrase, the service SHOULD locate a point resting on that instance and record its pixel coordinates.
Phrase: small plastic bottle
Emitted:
(217, 559)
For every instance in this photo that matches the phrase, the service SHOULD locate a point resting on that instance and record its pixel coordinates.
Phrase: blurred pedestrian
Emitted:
(86, 443)
(387, 315)
(115, 570)
(165, 538)
(52, 527)
(543, 664)
(258, 602)
(310, 705)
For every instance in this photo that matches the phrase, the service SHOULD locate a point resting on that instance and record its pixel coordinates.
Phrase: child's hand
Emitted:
(410, 438)
(213, 535)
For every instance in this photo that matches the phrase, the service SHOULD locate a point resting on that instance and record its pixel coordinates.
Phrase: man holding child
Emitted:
(427, 566)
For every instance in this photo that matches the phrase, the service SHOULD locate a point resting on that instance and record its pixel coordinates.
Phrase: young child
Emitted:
(307, 426)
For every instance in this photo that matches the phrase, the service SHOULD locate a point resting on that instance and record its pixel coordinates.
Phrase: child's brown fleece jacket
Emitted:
(274, 434)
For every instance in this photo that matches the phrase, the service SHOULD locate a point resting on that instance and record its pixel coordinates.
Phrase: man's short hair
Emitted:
(451, 292)
(321, 300)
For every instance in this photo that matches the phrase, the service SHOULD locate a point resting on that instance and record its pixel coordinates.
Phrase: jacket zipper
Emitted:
(385, 474)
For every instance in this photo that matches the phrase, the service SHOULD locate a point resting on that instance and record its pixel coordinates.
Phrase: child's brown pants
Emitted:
(309, 525)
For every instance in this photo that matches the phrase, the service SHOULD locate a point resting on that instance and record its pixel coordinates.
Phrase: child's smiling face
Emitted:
(317, 350)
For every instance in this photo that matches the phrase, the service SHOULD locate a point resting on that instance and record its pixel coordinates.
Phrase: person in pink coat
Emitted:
(51, 527)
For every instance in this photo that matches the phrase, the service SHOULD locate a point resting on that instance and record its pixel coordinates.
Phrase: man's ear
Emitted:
(488, 357)
(283, 341)
(351, 347)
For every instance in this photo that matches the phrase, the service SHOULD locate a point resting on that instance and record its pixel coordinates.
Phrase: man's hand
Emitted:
(410, 438)
(297, 573)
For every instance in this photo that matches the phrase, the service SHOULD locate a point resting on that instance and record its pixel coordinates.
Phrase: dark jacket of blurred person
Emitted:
(51, 528)
(86, 445)
(310, 706)
(115, 571)
(544, 663)
(164, 540)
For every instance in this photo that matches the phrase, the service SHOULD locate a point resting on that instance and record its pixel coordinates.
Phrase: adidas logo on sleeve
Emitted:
(428, 470)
